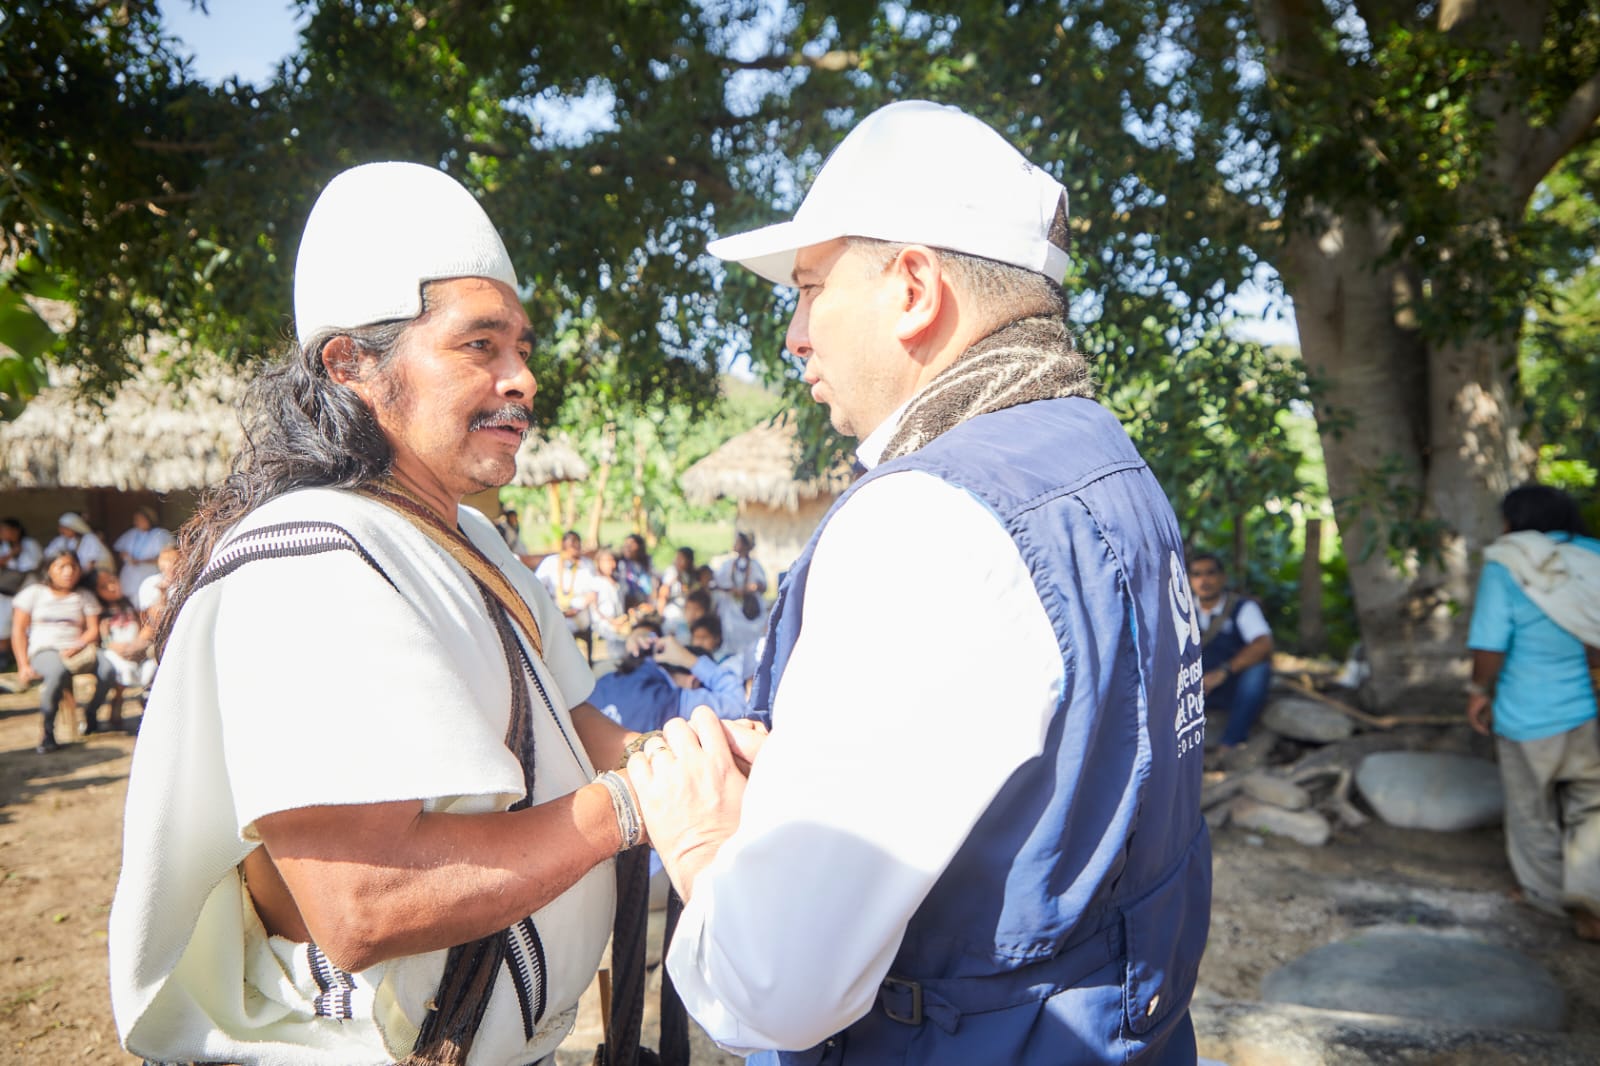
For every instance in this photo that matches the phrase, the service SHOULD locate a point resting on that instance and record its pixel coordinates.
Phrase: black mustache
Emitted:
(510, 413)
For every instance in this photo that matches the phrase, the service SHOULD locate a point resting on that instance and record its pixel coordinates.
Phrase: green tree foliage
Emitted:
(1559, 361)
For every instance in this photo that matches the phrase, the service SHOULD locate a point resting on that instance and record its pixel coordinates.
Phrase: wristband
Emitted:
(635, 746)
(1475, 689)
(630, 826)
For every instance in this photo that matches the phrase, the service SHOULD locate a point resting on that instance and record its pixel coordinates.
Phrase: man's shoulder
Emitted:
(337, 506)
(316, 521)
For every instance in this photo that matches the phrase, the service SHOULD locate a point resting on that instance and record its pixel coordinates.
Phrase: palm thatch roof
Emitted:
(542, 461)
(758, 466)
(151, 435)
(154, 436)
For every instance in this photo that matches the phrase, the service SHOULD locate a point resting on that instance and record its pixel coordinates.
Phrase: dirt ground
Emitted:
(60, 819)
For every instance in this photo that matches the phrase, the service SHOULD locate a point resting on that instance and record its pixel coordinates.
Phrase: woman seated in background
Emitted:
(139, 548)
(675, 585)
(74, 535)
(52, 624)
(608, 611)
(124, 641)
(659, 679)
(635, 573)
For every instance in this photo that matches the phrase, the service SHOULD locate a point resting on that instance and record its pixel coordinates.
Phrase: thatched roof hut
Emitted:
(542, 461)
(151, 436)
(757, 467)
(756, 470)
(158, 443)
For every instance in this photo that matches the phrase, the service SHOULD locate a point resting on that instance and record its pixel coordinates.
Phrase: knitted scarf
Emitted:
(1026, 360)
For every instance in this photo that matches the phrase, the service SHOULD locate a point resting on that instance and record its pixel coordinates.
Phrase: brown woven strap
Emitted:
(463, 551)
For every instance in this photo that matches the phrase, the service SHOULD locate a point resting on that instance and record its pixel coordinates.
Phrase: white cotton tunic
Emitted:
(302, 678)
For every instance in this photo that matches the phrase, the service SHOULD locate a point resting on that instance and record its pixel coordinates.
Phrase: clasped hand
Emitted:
(691, 786)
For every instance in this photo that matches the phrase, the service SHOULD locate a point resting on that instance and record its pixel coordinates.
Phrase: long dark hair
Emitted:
(302, 429)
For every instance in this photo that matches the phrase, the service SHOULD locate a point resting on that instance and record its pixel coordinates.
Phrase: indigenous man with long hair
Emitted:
(364, 823)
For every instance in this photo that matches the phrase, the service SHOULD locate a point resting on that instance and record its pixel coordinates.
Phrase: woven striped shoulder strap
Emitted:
(488, 576)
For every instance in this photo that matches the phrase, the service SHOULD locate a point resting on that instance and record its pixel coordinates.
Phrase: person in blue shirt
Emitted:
(659, 678)
(1535, 611)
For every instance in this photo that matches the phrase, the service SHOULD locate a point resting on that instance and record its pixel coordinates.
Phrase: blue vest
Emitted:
(1069, 926)
(1227, 642)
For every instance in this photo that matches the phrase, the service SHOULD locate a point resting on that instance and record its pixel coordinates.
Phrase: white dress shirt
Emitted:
(906, 704)
(1251, 622)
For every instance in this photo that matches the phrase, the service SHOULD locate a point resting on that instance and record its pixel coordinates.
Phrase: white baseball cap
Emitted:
(376, 234)
(917, 172)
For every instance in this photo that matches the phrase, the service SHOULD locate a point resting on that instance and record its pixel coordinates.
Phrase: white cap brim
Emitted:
(769, 251)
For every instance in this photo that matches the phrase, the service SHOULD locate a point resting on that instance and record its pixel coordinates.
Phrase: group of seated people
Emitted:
(606, 595)
(68, 609)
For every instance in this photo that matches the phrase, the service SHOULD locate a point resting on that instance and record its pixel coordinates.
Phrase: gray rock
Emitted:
(1276, 791)
(1284, 1034)
(1431, 790)
(1307, 720)
(1444, 979)
(1305, 827)
(1216, 816)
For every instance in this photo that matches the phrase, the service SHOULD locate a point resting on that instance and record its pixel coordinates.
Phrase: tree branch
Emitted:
(833, 61)
(1551, 144)
(151, 203)
(1286, 27)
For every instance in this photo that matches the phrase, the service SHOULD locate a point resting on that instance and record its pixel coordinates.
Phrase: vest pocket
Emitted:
(1166, 934)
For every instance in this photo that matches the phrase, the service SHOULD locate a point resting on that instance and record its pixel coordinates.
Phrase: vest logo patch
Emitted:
(1190, 721)
(1185, 616)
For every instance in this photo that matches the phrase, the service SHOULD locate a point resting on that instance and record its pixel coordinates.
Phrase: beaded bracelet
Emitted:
(635, 746)
(630, 826)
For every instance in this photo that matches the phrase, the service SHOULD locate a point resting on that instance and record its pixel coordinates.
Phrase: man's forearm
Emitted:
(1257, 651)
(602, 739)
(1486, 669)
(371, 883)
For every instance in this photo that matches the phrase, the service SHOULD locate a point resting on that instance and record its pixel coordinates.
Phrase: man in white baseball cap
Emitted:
(363, 822)
(981, 850)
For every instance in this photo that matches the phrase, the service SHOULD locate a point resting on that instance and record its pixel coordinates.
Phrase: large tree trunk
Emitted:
(1420, 444)
(1421, 439)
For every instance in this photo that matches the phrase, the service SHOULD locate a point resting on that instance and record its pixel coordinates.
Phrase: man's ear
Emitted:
(340, 360)
(343, 362)
(921, 277)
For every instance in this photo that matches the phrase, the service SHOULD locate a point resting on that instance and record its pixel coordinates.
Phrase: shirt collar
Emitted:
(870, 451)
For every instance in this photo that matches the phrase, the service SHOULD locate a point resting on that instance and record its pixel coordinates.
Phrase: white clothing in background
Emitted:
(141, 544)
(150, 590)
(89, 549)
(1251, 622)
(54, 622)
(563, 578)
(27, 558)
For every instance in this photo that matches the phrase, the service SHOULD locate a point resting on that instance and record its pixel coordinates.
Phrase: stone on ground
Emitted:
(1276, 790)
(1446, 980)
(1431, 790)
(1305, 827)
(1306, 720)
